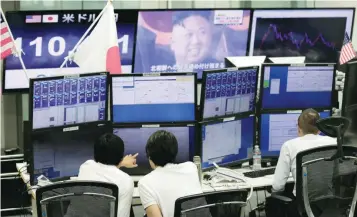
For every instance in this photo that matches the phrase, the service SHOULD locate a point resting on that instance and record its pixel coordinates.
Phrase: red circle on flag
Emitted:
(50, 18)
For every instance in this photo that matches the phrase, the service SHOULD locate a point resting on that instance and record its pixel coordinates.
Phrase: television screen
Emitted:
(163, 98)
(46, 38)
(317, 34)
(189, 40)
(61, 101)
(297, 86)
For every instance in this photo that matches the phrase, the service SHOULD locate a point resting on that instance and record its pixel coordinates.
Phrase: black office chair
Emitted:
(325, 177)
(213, 204)
(77, 199)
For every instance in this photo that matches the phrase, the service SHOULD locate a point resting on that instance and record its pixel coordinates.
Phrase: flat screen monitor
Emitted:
(277, 128)
(189, 40)
(135, 139)
(154, 98)
(67, 100)
(58, 153)
(45, 50)
(297, 86)
(227, 142)
(228, 92)
(300, 32)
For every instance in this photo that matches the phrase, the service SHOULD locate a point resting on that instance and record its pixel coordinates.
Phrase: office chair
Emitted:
(77, 199)
(325, 176)
(213, 204)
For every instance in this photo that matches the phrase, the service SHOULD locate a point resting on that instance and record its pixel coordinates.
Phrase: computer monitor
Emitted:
(57, 153)
(45, 50)
(301, 32)
(136, 137)
(297, 86)
(227, 92)
(227, 142)
(66, 100)
(189, 40)
(153, 98)
(277, 128)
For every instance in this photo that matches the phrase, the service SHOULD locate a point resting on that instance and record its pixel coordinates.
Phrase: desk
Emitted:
(260, 182)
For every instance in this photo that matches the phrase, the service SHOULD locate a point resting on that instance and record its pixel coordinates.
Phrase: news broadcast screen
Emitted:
(189, 40)
(317, 34)
(46, 38)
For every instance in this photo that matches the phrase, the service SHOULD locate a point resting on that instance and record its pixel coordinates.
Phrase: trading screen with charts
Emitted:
(135, 140)
(276, 129)
(292, 87)
(229, 92)
(227, 142)
(67, 101)
(148, 99)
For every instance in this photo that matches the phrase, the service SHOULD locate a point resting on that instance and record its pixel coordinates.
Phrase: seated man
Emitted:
(108, 158)
(308, 138)
(168, 181)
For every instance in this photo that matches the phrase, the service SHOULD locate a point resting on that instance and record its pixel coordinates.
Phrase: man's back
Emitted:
(165, 185)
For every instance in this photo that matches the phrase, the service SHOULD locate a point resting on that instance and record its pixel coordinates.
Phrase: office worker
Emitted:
(308, 138)
(108, 158)
(168, 181)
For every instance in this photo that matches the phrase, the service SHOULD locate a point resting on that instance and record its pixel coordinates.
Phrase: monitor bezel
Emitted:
(309, 8)
(345, 89)
(79, 127)
(192, 150)
(127, 19)
(152, 75)
(32, 81)
(203, 95)
(261, 92)
(201, 9)
(259, 125)
(222, 120)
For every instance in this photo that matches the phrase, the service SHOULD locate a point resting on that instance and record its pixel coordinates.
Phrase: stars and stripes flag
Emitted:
(6, 41)
(347, 51)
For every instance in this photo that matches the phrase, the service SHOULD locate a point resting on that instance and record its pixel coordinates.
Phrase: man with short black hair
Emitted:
(308, 138)
(168, 181)
(108, 158)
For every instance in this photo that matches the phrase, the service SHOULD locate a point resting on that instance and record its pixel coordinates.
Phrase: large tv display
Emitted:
(317, 34)
(46, 37)
(189, 40)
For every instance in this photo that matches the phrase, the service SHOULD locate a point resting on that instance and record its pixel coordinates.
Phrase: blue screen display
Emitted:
(227, 142)
(150, 99)
(135, 140)
(46, 44)
(67, 101)
(276, 129)
(189, 40)
(230, 92)
(297, 87)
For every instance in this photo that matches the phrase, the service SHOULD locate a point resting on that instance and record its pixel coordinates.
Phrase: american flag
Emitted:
(347, 51)
(6, 41)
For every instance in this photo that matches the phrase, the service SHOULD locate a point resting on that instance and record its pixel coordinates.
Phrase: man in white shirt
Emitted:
(108, 158)
(168, 181)
(308, 138)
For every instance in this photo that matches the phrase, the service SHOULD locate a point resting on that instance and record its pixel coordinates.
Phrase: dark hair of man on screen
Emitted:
(109, 149)
(307, 121)
(162, 148)
(179, 16)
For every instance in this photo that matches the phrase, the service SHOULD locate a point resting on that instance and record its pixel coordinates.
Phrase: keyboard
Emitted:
(259, 173)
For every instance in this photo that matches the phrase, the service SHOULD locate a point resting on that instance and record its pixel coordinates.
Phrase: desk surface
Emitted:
(260, 182)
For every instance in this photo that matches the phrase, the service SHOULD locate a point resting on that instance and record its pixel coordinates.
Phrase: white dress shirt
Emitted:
(93, 171)
(287, 158)
(165, 185)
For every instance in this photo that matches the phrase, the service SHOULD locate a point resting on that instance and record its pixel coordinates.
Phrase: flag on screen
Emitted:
(33, 19)
(347, 52)
(100, 51)
(50, 18)
(6, 41)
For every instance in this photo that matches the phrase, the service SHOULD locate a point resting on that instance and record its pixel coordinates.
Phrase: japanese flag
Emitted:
(100, 51)
(52, 18)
